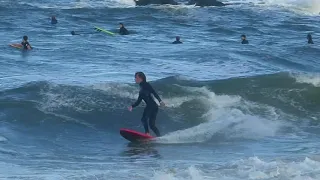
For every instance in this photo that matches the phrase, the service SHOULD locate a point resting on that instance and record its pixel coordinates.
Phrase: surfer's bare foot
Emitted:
(148, 134)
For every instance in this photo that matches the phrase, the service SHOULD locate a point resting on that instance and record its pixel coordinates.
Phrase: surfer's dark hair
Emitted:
(141, 75)
(25, 38)
(244, 36)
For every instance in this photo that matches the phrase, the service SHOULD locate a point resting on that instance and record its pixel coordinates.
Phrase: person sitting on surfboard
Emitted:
(244, 39)
(25, 44)
(151, 110)
(54, 20)
(123, 30)
(177, 41)
(309, 37)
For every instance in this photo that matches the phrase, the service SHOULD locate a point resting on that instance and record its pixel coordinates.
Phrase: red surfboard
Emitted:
(19, 46)
(134, 136)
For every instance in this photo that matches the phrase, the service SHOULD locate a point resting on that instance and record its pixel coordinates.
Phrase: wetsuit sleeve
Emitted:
(121, 31)
(25, 45)
(28, 45)
(138, 101)
(154, 93)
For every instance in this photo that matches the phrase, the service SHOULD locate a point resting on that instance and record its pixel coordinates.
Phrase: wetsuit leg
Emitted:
(152, 120)
(144, 120)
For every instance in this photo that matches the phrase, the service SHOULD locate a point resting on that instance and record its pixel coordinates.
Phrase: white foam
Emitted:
(121, 90)
(3, 139)
(257, 169)
(54, 101)
(191, 173)
(252, 168)
(84, 4)
(80, 102)
(313, 79)
(308, 7)
(254, 128)
(224, 111)
(129, 3)
(131, 92)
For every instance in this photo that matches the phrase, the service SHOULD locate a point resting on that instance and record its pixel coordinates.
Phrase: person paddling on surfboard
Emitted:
(25, 44)
(151, 110)
(74, 33)
(123, 30)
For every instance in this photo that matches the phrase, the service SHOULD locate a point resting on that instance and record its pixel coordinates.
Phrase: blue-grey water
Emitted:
(233, 111)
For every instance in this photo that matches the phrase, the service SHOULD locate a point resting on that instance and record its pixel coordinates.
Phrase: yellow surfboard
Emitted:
(103, 30)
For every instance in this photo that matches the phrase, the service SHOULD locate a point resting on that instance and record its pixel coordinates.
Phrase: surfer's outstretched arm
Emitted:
(136, 103)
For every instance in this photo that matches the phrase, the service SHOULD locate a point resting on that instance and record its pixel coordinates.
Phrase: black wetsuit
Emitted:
(177, 42)
(25, 44)
(150, 112)
(123, 31)
(310, 41)
(54, 21)
(245, 41)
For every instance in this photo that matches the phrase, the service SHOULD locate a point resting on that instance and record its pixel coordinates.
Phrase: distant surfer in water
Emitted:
(74, 33)
(123, 30)
(309, 37)
(54, 20)
(244, 39)
(151, 110)
(25, 44)
(177, 41)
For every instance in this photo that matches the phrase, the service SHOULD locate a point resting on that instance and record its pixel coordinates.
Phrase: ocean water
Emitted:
(234, 112)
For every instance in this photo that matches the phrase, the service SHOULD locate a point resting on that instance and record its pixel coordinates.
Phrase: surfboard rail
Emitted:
(134, 136)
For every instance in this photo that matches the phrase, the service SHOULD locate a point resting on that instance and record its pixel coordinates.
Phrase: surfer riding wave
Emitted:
(151, 110)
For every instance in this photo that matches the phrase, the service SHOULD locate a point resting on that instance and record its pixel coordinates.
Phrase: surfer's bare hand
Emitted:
(130, 108)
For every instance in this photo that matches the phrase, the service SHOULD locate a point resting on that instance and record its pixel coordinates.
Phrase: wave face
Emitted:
(47, 121)
(211, 106)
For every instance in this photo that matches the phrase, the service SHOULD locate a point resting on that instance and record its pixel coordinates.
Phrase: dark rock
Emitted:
(203, 3)
(147, 2)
